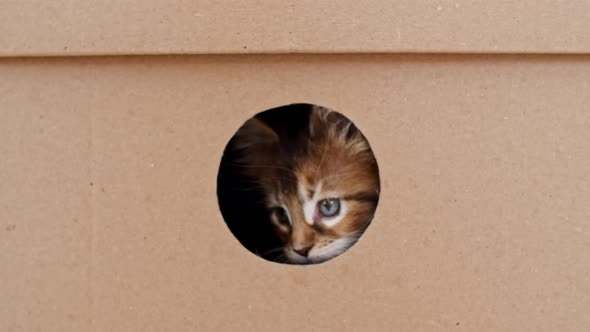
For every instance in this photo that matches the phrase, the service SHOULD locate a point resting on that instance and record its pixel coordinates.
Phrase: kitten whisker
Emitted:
(272, 251)
(282, 258)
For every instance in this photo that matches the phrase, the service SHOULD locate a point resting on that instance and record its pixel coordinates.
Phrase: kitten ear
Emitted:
(255, 133)
(336, 129)
(318, 121)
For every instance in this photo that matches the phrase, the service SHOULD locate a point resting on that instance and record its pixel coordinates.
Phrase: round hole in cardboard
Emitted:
(298, 184)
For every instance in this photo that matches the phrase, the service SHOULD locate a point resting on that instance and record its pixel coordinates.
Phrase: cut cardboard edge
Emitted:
(60, 28)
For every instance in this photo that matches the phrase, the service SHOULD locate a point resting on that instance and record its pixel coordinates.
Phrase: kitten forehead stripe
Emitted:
(309, 203)
(370, 197)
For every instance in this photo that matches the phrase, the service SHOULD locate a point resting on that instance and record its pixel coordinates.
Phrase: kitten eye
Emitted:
(329, 207)
(281, 216)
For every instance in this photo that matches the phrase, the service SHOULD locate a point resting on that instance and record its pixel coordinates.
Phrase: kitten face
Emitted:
(321, 186)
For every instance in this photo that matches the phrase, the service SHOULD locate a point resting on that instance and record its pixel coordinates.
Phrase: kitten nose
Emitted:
(303, 251)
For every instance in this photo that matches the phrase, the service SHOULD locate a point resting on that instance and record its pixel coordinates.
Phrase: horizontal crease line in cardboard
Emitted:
(98, 53)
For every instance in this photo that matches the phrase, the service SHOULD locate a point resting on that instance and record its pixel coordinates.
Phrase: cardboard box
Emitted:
(108, 211)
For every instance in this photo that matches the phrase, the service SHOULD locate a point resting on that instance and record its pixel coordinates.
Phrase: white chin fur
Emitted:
(295, 258)
(319, 255)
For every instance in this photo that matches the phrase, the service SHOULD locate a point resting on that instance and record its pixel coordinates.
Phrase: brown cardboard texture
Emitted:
(39, 27)
(109, 217)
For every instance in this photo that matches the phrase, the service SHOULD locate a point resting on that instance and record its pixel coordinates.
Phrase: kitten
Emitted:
(320, 182)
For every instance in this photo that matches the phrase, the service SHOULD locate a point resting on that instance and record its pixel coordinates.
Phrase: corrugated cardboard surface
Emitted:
(109, 219)
(39, 27)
